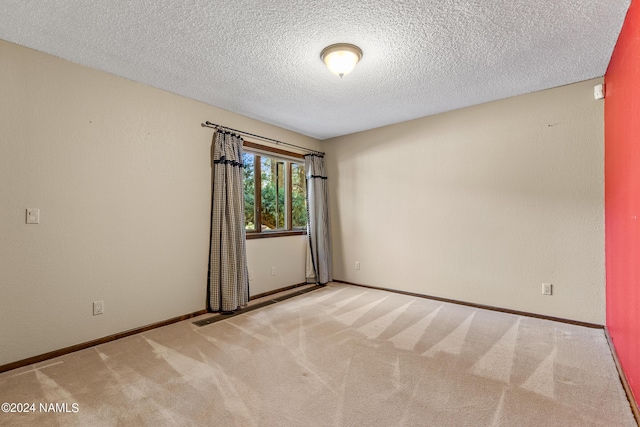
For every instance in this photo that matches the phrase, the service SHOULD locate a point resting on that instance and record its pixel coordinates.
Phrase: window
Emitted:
(274, 192)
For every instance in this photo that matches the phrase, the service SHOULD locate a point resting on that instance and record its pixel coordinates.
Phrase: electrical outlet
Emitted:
(98, 307)
(357, 265)
(547, 289)
(273, 271)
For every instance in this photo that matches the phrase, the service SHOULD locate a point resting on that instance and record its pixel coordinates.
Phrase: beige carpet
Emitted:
(338, 356)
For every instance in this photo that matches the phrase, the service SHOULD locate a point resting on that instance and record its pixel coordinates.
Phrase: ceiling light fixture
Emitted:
(341, 58)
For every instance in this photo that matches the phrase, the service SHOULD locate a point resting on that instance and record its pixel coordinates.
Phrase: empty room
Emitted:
(296, 213)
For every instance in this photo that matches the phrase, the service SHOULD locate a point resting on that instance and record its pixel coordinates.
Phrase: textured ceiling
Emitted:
(261, 59)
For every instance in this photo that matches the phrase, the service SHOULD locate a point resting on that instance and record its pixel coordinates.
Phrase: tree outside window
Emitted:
(274, 195)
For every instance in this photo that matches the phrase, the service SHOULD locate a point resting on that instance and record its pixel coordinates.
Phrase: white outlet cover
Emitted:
(98, 307)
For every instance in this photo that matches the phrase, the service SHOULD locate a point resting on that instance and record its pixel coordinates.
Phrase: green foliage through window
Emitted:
(274, 194)
(249, 191)
(298, 196)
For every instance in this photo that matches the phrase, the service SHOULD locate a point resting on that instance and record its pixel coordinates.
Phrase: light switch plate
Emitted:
(33, 216)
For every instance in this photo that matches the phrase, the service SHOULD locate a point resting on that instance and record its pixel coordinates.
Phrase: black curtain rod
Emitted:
(208, 124)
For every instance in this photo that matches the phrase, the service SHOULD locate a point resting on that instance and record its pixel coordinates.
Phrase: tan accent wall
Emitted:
(482, 204)
(121, 174)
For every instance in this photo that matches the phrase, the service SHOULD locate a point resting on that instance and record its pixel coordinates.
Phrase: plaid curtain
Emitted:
(228, 274)
(318, 227)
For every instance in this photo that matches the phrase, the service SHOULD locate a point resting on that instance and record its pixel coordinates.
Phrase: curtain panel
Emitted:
(228, 287)
(318, 227)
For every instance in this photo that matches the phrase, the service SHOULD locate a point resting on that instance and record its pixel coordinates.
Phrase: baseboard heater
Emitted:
(220, 316)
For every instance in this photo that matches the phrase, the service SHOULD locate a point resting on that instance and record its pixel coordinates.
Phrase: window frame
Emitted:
(289, 157)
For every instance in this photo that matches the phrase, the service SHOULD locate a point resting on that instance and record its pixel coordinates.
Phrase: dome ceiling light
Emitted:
(341, 58)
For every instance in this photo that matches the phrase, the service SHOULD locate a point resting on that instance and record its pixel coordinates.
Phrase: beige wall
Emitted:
(481, 204)
(121, 173)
